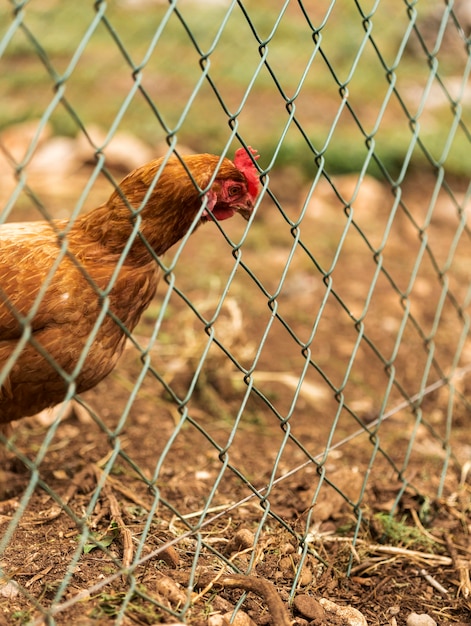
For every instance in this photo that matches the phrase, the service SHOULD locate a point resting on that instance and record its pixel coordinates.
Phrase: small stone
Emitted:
(352, 616)
(423, 619)
(240, 619)
(123, 151)
(306, 577)
(217, 620)
(286, 563)
(9, 590)
(309, 607)
(287, 548)
(243, 539)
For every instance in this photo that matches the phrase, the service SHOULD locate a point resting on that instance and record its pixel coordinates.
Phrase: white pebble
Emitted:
(239, 619)
(420, 620)
(9, 590)
(217, 620)
(352, 616)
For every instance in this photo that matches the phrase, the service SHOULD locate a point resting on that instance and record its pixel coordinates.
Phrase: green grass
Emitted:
(98, 80)
(398, 532)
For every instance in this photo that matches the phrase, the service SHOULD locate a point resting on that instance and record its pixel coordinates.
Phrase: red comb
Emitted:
(244, 163)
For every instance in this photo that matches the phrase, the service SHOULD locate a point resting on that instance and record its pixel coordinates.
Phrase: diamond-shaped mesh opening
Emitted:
(290, 412)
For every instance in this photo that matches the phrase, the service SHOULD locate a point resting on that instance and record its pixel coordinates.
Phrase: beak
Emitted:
(245, 210)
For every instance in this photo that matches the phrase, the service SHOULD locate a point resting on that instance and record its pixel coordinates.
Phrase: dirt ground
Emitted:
(199, 477)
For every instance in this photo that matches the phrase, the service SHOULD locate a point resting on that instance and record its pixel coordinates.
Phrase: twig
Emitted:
(436, 559)
(259, 586)
(435, 584)
(126, 536)
(462, 567)
(127, 493)
(221, 573)
(168, 554)
(423, 530)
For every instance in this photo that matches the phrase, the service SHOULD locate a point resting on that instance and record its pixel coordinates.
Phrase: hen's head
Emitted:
(235, 188)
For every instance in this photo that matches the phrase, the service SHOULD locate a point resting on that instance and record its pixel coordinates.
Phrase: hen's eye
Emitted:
(234, 190)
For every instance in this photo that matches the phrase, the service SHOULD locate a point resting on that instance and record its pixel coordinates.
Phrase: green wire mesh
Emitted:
(350, 288)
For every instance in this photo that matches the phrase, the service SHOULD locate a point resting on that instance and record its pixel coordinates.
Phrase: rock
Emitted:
(124, 151)
(366, 196)
(240, 619)
(309, 608)
(54, 158)
(170, 589)
(287, 548)
(9, 589)
(217, 620)
(352, 616)
(243, 539)
(306, 577)
(17, 138)
(423, 619)
(15, 142)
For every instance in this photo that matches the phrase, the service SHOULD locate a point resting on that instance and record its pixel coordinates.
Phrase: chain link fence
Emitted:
(290, 417)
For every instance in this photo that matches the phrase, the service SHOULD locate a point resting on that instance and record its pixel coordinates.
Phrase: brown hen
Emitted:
(63, 286)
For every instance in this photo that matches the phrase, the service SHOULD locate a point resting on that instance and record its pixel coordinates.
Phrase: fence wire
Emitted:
(296, 377)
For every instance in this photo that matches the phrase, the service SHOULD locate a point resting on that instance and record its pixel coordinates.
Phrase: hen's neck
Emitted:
(109, 229)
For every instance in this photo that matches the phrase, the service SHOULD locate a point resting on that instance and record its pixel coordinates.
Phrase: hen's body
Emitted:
(65, 319)
(59, 311)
